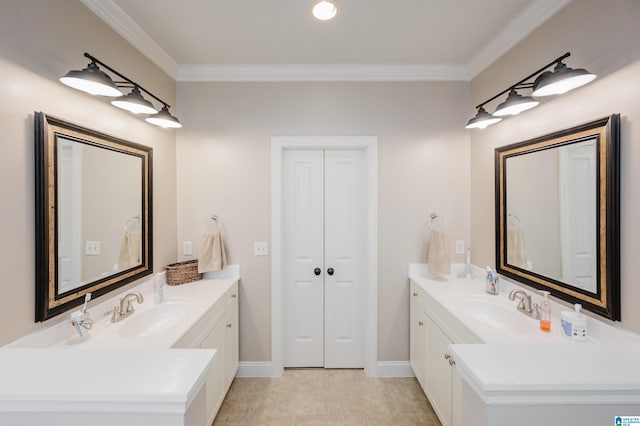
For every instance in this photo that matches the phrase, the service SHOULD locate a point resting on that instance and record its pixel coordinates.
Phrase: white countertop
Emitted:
(151, 381)
(519, 364)
(200, 296)
(557, 374)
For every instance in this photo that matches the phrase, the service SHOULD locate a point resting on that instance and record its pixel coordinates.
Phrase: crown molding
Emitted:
(116, 18)
(322, 72)
(536, 14)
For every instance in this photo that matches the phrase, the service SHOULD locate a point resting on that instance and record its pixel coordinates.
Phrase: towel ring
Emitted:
(130, 220)
(437, 222)
(519, 222)
(213, 219)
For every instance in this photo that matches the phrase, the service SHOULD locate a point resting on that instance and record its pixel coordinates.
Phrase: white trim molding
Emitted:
(254, 369)
(395, 369)
(370, 145)
(322, 72)
(123, 24)
(536, 14)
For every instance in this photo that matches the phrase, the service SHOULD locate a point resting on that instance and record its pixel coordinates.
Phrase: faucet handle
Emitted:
(113, 312)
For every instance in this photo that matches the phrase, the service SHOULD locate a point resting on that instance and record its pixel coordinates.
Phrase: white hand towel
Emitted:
(438, 252)
(130, 250)
(516, 252)
(213, 256)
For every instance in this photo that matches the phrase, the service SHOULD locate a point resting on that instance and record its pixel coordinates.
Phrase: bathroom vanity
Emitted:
(197, 315)
(481, 362)
(131, 387)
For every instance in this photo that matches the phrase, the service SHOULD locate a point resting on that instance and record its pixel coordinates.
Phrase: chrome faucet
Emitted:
(524, 304)
(125, 308)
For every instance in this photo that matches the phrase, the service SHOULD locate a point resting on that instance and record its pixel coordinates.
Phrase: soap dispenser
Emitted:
(158, 288)
(545, 313)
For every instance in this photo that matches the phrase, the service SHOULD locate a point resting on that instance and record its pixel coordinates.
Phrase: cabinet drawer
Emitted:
(201, 328)
(232, 296)
(418, 296)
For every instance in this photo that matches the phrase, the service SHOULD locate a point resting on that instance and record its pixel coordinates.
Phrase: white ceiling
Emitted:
(257, 40)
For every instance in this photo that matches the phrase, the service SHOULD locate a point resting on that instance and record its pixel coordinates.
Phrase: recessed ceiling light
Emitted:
(324, 10)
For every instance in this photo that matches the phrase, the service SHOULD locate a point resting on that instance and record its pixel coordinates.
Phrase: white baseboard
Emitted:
(385, 369)
(254, 369)
(394, 369)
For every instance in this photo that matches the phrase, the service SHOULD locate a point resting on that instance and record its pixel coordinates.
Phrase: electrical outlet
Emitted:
(92, 248)
(459, 246)
(187, 248)
(260, 248)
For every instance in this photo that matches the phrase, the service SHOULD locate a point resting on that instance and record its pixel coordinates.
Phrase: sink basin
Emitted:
(498, 315)
(155, 320)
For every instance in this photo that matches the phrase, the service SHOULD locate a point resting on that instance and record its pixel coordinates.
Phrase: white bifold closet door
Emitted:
(324, 222)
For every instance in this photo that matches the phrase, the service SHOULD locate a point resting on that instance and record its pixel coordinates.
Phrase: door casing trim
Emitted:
(369, 144)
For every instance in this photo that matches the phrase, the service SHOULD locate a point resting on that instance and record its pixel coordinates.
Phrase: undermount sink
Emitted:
(154, 320)
(497, 315)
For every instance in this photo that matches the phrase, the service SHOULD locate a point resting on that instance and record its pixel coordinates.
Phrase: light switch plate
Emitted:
(459, 246)
(261, 248)
(187, 248)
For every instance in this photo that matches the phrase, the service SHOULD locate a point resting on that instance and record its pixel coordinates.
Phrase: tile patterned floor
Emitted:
(325, 397)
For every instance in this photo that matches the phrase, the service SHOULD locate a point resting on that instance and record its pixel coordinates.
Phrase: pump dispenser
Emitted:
(545, 313)
(158, 288)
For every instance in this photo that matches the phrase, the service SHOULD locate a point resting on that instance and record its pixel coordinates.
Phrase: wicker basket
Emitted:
(183, 272)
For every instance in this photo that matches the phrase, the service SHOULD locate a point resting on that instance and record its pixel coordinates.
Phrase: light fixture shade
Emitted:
(135, 103)
(91, 80)
(561, 80)
(324, 10)
(515, 104)
(482, 120)
(164, 119)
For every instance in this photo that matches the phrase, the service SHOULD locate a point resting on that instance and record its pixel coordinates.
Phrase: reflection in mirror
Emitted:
(93, 218)
(557, 214)
(94, 206)
(551, 220)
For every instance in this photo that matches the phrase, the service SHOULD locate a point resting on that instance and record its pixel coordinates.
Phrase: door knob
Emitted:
(317, 271)
(330, 271)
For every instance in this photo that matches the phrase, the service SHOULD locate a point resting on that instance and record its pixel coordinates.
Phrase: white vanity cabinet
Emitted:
(217, 329)
(231, 336)
(430, 358)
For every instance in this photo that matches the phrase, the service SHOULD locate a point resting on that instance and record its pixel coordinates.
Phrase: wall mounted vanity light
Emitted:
(546, 83)
(96, 82)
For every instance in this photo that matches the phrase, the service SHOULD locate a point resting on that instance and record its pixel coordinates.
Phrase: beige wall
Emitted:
(39, 42)
(602, 36)
(223, 156)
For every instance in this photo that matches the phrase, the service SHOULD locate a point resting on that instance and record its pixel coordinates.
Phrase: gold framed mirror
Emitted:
(93, 214)
(558, 214)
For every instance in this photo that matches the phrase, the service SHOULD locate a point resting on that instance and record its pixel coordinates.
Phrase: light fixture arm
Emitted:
(521, 84)
(126, 80)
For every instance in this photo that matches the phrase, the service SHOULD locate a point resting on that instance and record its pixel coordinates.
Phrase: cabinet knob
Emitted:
(415, 294)
(233, 296)
(229, 325)
(447, 356)
(317, 271)
(420, 323)
(452, 362)
(330, 271)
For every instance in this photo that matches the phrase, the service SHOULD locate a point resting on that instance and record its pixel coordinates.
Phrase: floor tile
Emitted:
(326, 397)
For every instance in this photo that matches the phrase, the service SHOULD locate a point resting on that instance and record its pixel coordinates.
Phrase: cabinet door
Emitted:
(231, 338)
(437, 372)
(417, 340)
(215, 381)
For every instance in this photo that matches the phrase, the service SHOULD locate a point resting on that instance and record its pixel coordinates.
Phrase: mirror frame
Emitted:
(606, 300)
(48, 303)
